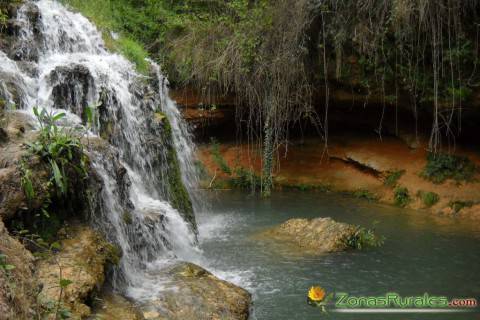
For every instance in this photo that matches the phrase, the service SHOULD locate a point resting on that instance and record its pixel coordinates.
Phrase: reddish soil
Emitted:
(353, 163)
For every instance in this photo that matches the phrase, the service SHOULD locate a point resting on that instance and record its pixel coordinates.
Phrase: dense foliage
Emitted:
(441, 167)
(274, 55)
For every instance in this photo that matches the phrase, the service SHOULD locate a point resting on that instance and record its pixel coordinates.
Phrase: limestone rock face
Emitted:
(82, 260)
(12, 197)
(319, 235)
(198, 294)
(17, 286)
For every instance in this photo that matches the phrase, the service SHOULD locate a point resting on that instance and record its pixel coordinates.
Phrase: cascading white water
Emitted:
(182, 139)
(60, 63)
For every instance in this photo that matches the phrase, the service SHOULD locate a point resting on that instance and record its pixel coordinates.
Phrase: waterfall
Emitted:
(59, 62)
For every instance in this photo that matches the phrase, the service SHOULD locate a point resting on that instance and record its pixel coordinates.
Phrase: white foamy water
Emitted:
(69, 69)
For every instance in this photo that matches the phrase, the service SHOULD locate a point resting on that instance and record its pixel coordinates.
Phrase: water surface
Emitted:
(422, 253)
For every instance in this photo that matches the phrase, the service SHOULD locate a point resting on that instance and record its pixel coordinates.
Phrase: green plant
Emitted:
(4, 265)
(365, 194)
(133, 51)
(245, 179)
(60, 148)
(458, 205)
(363, 238)
(3, 19)
(392, 177)
(401, 196)
(441, 167)
(218, 158)
(304, 187)
(428, 198)
(127, 217)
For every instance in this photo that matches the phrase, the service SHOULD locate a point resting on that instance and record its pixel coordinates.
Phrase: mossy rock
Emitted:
(197, 294)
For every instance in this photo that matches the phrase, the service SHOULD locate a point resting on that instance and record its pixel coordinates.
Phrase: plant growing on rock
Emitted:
(58, 147)
(363, 238)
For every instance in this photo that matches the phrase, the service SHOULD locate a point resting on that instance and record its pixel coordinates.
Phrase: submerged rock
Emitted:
(198, 294)
(82, 260)
(322, 235)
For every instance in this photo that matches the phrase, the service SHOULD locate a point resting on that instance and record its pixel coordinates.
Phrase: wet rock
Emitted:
(25, 48)
(197, 294)
(82, 259)
(72, 88)
(18, 288)
(319, 235)
(100, 149)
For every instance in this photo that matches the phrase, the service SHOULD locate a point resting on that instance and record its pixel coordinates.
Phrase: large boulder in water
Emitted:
(321, 235)
(198, 294)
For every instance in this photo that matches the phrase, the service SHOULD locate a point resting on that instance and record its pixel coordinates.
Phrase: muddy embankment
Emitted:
(374, 151)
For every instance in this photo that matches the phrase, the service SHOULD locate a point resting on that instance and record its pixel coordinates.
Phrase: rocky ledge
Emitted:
(74, 274)
(195, 293)
(322, 235)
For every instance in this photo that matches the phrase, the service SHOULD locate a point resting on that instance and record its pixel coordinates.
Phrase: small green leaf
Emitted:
(56, 246)
(65, 283)
(58, 116)
(57, 175)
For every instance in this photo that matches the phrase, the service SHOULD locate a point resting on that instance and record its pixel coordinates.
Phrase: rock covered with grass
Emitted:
(322, 235)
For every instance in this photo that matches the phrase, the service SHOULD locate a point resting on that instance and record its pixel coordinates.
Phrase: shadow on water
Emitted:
(422, 253)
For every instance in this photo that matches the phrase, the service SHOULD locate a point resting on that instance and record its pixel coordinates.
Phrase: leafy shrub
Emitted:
(402, 198)
(441, 167)
(60, 148)
(428, 198)
(458, 205)
(363, 238)
(392, 177)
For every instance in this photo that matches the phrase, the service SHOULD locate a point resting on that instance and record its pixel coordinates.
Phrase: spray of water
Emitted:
(60, 63)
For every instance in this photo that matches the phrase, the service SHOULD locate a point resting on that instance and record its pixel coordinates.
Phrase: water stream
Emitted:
(422, 253)
(60, 63)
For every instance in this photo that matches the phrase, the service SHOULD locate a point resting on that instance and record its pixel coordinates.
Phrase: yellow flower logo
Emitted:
(316, 294)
